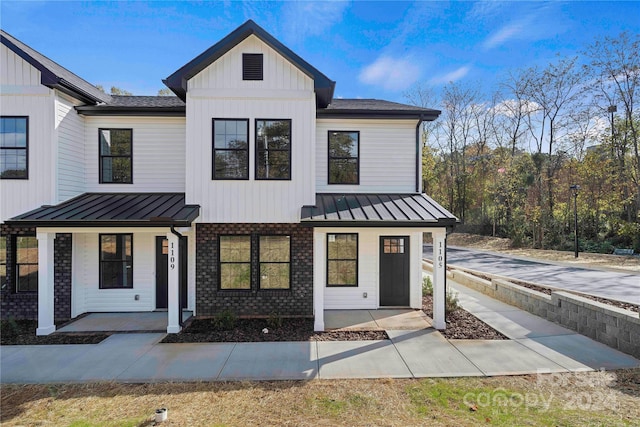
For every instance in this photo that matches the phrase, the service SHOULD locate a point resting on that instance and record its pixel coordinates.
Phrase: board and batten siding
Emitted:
(387, 155)
(21, 94)
(219, 92)
(352, 298)
(70, 131)
(158, 153)
(87, 295)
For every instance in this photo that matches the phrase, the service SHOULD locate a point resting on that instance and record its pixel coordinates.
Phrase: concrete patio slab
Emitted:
(155, 321)
(351, 319)
(360, 359)
(502, 357)
(179, 362)
(266, 360)
(582, 350)
(428, 354)
(402, 319)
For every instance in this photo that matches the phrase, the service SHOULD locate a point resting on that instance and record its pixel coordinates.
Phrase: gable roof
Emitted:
(54, 75)
(177, 81)
(374, 108)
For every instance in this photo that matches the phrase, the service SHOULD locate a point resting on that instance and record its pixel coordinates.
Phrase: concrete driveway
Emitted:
(607, 284)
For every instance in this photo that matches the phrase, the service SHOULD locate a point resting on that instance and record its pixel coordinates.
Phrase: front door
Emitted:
(162, 272)
(394, 271)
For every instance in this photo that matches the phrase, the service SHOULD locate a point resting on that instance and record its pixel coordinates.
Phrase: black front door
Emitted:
(394, 270)
(162, 271)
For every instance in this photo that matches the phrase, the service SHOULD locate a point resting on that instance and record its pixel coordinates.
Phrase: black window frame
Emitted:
(250, 262)
(249, 61)
(101, 261)
(259, 262)
(4, 260)
(214, 149)
(329, 158)
(25, 148)
(101, 156)
(357, 284)
(258, 150)
(15, 265)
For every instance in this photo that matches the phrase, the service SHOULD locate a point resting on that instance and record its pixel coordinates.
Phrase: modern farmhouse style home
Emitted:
(252, 189)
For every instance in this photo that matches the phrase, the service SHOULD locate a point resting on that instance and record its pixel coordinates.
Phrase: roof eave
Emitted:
(376, 224)
(379, 114)
(107, 110)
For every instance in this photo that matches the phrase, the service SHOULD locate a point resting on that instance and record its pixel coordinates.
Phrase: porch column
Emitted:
(439, 277)
(318, 280)
(46, 323)
(173, 285)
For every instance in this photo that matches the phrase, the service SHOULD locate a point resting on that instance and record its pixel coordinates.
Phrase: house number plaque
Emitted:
(440, 256)
(172, 258)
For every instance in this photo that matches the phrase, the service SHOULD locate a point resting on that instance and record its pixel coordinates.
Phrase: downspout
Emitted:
(418, 153)
(180, 272)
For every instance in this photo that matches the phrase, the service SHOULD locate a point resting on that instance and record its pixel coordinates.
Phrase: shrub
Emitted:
(274, 321)
(427, 286)
(451, 302)
(225, 320)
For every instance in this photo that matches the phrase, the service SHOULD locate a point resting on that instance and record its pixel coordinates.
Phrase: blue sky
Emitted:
(371, 49)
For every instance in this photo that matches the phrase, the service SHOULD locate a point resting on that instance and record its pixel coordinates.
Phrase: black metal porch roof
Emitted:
(376, 210)
(113, 210)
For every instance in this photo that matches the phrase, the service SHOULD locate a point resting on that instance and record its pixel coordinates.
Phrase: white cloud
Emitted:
(509, 107)
(391, 73)
(503, 35)
(452, 76)
(301, 19)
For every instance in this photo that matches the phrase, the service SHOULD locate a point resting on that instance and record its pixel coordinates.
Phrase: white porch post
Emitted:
(46, 323)
(318, 280)
(439, 277)
(173, 278)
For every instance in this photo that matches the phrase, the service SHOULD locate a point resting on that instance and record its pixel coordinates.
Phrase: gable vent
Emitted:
(252, 66)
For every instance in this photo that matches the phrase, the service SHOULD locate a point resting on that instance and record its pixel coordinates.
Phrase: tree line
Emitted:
(510, 163)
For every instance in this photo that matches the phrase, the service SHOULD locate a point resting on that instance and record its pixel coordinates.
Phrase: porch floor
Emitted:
(377, 320)
(149, 321)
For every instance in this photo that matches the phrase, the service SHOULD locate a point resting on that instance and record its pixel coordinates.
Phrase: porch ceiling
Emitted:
(113, 209)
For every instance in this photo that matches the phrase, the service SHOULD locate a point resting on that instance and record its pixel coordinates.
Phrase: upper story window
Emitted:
(273, 149)
(252, 66)
(116, 163)
(344, 157)
(14, 147)
(230, 149)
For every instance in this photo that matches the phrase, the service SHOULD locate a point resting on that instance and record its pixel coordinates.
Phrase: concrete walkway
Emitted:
(536, 345)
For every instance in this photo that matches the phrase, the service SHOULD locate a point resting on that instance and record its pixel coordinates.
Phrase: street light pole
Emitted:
(574, 188)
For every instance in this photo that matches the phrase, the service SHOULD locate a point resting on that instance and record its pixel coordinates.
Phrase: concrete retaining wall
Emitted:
(613, 326)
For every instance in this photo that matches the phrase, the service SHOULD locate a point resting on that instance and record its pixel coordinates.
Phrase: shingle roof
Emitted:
(376, 210)
(54, 75)
(113, 209)
(146, 101)
(364, 108)
(137, 106)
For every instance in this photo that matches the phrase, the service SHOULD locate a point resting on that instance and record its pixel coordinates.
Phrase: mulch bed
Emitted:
(462, 325)
(23, 332)
(251, 330)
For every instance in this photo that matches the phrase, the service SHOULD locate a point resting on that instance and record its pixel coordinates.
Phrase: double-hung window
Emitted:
(275, 262)
(344, 155)
(342, 259)
(14, 147)
(230, 149)
(116, 164)
(116, 261)
(26, 264)
(273, 149)
(235, 262)
(3, 262)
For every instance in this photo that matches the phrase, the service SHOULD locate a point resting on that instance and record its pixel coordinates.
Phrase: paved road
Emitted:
(619, 286)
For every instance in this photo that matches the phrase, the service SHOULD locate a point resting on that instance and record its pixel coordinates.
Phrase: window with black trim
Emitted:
(3, 262)
(234, 265)
(275, 262)
(230, 149)
(342, 260)
(273, 149)
(14, 147)
(116, 261)
(116, 156)
(26, 263)
(344, 157)
(252, 65)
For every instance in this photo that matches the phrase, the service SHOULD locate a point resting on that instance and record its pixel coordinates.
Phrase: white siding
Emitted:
(219, 92)
(70, 131)
(387, 155)
(15, 71)
(158, 153)
(87, 297)
(349, 298)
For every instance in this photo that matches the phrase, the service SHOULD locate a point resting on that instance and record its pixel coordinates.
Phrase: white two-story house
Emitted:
(252, 189)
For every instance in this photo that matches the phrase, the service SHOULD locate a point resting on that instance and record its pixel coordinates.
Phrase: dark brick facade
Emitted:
(297, 301)
(24, 305)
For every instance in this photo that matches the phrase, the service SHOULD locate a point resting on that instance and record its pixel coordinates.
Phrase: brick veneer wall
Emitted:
(297, 301)
(25, 305)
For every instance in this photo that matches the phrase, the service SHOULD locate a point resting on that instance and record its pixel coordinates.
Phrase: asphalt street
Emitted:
(607, 284)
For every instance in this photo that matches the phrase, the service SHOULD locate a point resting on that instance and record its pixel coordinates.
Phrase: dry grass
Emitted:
(614, 397)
